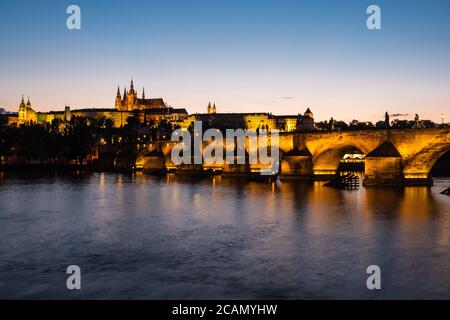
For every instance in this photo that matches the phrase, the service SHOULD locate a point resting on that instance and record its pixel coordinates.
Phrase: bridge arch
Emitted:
(326, 161)
(442, 166)
(419, 166)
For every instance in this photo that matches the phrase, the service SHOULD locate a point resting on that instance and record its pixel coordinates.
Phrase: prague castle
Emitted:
(126, 106)
(155, 110)
(130, 101)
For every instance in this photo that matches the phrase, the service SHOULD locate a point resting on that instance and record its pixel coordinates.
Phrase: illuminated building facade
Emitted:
(129, 105)
(130, 101)
(26, 112)
(155, 111)
(257, 120)
(291, 123)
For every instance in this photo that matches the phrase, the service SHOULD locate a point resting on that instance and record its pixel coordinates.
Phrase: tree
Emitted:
(402, 124)
(357, 125)
(132, 122)
(9, 139)
(427, 124)
(380, 125)
(78, 139)
(340, 126)
(109, 123)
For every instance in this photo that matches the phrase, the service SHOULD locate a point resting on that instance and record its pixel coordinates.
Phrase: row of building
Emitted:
(156, 110)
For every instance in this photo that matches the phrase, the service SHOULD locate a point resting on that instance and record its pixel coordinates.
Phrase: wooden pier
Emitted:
(348, 181)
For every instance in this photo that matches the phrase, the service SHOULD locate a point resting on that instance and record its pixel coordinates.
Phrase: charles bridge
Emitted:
(392, 157)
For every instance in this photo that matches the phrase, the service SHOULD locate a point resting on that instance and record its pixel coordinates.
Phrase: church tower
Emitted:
(118, 103)
(26, 112)
(308, 113)
(131, 98)
(209, 109)
(22, 112)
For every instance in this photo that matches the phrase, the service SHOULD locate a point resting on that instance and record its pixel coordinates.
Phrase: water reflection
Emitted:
(220, 237)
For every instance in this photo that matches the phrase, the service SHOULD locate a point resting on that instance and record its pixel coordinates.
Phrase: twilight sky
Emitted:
(278, 56)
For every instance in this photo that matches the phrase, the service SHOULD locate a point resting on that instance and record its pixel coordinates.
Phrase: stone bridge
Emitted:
(392, 157)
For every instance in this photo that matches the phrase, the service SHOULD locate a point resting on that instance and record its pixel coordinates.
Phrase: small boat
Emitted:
(446, 192)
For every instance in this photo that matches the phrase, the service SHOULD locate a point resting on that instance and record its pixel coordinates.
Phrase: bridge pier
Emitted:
(383, 166)
(383, 171)
(297, 164)
(152, 162)
(417, 179)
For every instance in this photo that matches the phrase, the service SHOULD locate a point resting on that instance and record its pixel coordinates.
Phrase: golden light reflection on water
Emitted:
(411, 206)
(102, 190)
(101, 181)
(417, 205)
(171, 198)
(119, 180)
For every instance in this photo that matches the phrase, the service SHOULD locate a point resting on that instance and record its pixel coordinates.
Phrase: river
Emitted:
(144, 237)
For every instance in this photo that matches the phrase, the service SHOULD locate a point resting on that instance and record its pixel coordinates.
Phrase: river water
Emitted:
(143, 237)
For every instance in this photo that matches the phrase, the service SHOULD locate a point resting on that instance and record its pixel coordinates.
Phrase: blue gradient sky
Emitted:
(246, 55)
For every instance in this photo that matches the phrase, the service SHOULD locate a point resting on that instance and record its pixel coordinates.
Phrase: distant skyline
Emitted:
(278, 56)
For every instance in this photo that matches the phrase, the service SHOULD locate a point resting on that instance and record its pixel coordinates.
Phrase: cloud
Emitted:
(286, 98)
(400, 114)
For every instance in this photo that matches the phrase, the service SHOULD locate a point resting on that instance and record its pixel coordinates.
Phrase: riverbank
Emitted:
(62, 167)
(441, 169)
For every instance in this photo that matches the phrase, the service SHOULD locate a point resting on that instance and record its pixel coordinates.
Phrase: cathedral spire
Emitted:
(118, 103)
(209, 110)
(22, 103)
(124, 92)
(132, 85)
(143, 93)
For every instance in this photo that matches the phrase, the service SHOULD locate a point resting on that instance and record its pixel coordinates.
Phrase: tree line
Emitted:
(335, 125)
(62, 141)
